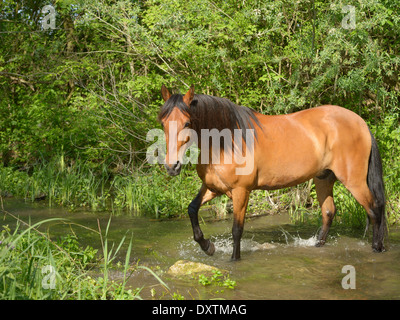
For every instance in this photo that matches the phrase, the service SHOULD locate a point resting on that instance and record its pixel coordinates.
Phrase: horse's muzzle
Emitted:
(174, 169)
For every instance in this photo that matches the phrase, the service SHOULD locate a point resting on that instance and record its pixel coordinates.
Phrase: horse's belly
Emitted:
(281, 182)
(287, 172)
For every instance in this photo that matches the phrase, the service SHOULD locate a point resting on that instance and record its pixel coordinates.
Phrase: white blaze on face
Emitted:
(178, 144)
(172, 154)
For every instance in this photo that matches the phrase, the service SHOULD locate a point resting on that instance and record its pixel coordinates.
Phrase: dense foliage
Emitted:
(90, 88)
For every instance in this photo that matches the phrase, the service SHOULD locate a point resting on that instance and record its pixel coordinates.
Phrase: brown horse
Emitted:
(326, 143)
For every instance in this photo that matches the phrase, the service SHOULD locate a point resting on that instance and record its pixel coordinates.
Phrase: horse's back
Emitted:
(296, 147)
(339, 127)
(330, 124)
(330, 116)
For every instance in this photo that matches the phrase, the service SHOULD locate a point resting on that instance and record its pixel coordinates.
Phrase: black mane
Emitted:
(208, 112)
(176, 100)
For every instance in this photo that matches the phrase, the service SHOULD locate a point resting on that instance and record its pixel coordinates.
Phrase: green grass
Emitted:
(154, 192)
(73, 186)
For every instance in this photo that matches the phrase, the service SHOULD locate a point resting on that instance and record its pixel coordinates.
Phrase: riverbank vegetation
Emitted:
(35, 266)
(77, 100)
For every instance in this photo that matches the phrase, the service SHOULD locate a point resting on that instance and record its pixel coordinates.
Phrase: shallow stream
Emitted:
(278, 260)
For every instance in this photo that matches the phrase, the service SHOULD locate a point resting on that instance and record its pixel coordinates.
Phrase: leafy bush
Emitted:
(100, 93)
(90, 89)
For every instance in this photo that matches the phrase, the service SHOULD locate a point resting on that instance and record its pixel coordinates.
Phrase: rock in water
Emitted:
(189, 268)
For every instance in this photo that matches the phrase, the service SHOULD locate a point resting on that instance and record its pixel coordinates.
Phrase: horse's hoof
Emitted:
(211, 249)
(320, 243)
(378, 249)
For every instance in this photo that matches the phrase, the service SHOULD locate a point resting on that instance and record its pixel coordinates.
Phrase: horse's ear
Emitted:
(165, 93)
(188, 97)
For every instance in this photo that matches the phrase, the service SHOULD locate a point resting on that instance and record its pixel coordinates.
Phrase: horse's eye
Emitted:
(187, 124)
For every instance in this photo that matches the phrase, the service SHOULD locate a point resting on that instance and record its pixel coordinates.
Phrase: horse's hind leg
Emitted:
(202, 197)
(363, 195)
(324, 189)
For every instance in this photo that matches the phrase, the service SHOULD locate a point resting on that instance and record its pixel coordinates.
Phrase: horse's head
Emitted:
(175, 118)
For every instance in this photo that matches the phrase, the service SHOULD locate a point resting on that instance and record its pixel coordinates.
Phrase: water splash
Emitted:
(297, 241)
(223, 244)
(310, 242)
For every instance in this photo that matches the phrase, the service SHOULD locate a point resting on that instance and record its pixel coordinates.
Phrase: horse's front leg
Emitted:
(202, 197)
(240, 198)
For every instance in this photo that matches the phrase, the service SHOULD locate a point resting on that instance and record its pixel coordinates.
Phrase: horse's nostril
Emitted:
(177, 165)
(173, 169)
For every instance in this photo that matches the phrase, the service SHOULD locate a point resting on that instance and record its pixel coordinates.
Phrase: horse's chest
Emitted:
(216, 184)
(222, 179)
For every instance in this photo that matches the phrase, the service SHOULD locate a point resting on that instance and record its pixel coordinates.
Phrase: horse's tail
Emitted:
(377, 188)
